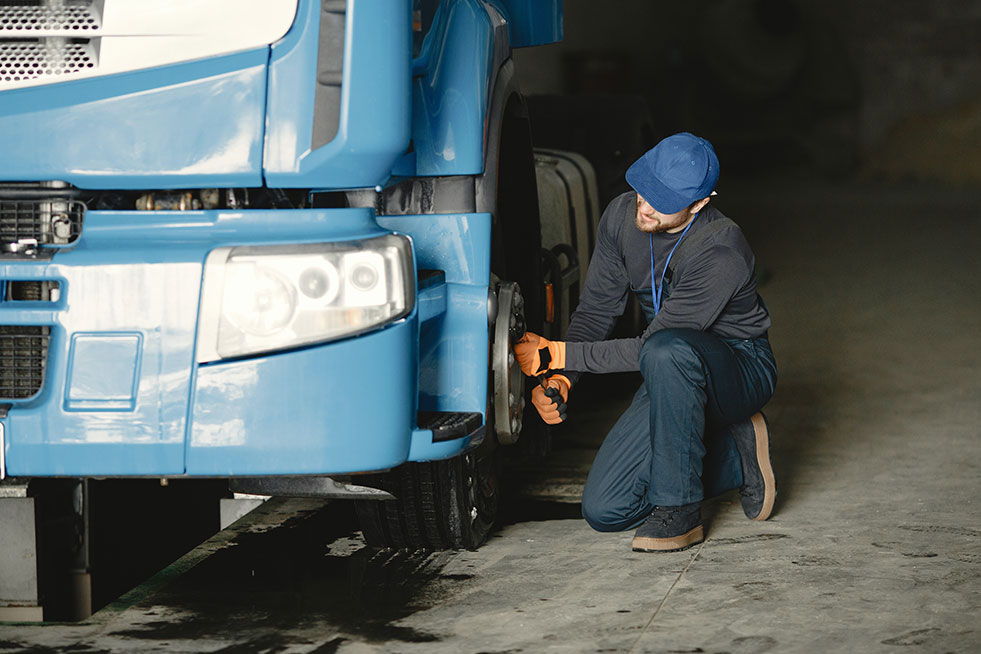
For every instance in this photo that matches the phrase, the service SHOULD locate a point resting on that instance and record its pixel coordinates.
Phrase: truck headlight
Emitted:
(272, 297)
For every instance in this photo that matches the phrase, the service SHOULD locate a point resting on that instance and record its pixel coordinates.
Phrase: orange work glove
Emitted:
(551, 399)
(537, 355)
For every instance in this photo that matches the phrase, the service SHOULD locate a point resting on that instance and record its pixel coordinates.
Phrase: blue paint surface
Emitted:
(103, 371)
(453, 348)
(533, 22)
(374, 117)
(458, 244)
(451, 86)
(189, 125)
(343, 407)
(138, 274)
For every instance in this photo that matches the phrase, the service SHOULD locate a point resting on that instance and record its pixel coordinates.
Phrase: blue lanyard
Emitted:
(659, 288)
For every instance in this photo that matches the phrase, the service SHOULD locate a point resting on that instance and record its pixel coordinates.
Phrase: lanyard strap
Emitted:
(657, 289)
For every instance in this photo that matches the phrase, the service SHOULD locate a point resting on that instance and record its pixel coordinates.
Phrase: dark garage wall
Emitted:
(883, 88)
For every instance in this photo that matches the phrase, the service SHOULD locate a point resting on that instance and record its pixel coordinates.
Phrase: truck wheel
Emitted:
(452, 504)
(448, 504)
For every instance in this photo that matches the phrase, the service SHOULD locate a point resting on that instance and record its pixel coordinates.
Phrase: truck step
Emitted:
(447, 425)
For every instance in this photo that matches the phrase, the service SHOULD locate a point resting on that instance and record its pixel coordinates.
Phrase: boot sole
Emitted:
(674, 544)
(763, 460)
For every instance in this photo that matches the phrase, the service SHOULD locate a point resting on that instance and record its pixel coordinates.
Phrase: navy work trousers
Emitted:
(669, 447)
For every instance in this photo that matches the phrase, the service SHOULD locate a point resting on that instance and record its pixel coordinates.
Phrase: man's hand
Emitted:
(550, 398)
(537, 355)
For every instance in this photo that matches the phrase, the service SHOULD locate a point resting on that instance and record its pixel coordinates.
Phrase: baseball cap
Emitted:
(674, 173)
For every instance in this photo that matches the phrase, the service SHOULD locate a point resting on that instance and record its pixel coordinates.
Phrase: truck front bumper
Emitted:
(123, 394)
(342, 407)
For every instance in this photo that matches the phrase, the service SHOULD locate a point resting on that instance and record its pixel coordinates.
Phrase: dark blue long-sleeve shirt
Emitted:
(710, 286)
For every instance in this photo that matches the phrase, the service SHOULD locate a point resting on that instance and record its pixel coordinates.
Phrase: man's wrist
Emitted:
(571, 357)
(560, 378)
(558, 361)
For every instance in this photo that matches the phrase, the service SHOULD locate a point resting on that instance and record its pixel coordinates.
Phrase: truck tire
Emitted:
(449, 504)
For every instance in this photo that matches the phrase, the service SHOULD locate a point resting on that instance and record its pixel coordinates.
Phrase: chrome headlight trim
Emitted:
(257, 299)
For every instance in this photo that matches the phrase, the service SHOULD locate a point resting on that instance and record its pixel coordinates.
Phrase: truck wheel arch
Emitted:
(507, 190)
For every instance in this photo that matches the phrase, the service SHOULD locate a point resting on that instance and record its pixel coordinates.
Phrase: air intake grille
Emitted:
(23, 358)
(23, 60)
(40, 222)
(70, 16)
(330, 64)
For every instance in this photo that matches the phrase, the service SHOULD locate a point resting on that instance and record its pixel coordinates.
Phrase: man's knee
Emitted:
(669, 349)
(602, 516)
(599, 518)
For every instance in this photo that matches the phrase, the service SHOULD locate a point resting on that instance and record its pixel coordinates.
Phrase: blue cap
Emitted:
(679, 170)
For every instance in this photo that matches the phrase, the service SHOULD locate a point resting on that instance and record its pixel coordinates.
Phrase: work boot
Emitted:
(752, 437)
(670, 529)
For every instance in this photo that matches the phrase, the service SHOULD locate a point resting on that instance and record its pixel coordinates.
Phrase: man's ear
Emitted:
(698, 206)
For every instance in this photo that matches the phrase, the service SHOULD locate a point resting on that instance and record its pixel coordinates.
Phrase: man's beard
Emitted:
(655, 228)
(647, 228)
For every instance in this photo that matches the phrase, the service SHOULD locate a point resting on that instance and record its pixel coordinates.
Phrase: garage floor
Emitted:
(876, 541)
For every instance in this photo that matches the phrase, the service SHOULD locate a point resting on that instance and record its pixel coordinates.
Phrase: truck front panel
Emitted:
(373, 115)
(197, 124)
(341, 407)
(453, 346)
(123, 392)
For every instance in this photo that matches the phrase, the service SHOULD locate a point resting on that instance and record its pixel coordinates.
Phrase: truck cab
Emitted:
(274, 241)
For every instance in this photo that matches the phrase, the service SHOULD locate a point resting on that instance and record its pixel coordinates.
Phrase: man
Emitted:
(694, 428)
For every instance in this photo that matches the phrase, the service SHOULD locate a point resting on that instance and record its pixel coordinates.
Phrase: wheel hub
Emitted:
(509, 382)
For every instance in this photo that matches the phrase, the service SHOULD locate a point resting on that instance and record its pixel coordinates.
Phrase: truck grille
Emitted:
(47, 40)
(51, 222)
(29, 59)
(23, 358)
(71, 16)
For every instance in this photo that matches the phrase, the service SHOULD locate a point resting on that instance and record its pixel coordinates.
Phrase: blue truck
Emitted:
(282, 242)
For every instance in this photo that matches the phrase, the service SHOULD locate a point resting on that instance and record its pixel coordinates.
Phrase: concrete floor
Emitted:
(875, 545)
